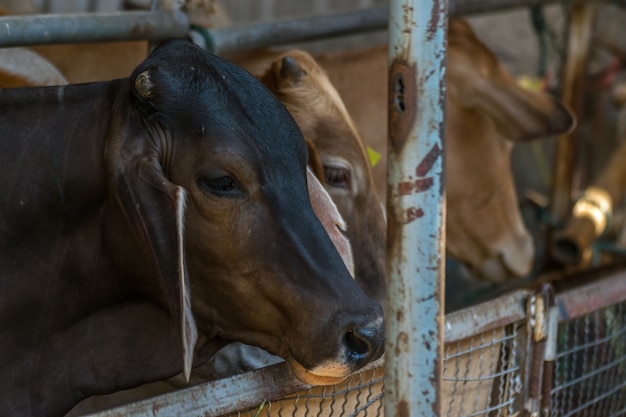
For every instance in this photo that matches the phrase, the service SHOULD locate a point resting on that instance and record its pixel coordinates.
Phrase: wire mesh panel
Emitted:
(590, 366)
(482, 374)
(360, 395)
(589, 345)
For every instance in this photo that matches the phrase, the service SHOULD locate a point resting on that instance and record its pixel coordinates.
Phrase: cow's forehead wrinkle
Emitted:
(207, 90)
(278, 152)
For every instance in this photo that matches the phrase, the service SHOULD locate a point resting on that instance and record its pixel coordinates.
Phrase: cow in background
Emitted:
(305, 90)
(486, 112)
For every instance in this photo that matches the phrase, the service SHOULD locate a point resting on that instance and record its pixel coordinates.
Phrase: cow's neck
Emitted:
(58, 222)
(54, 205)
(118, 348)
(53, 142)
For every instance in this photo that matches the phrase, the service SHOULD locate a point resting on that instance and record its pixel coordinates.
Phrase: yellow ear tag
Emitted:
(374, 156)
(531, 83)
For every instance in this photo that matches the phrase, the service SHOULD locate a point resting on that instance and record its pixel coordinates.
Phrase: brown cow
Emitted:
(312, 100)
(132, 255)
(486, 112)
(303, 87)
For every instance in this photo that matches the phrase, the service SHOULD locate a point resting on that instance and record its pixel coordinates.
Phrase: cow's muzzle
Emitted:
(358, 346)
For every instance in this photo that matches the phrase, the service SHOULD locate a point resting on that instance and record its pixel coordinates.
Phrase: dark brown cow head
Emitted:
(214, 178)
(181, 192)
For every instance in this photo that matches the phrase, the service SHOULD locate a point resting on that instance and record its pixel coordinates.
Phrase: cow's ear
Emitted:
(291, 71)
(144, 85)
(155, 208)
(520, 114)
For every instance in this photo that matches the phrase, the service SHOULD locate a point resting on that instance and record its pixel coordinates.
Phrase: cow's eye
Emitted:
(337, 176)
(221, 185)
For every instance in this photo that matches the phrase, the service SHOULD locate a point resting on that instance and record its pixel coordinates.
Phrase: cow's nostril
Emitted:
(358, 344)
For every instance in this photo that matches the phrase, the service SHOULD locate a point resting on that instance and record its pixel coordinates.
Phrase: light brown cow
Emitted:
(303, 87)
(486, 112)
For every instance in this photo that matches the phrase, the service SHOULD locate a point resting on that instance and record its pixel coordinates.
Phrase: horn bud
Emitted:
(144, 85)
(290, 68)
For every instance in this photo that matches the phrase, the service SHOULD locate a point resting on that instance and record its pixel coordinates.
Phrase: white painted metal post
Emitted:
(414, 313)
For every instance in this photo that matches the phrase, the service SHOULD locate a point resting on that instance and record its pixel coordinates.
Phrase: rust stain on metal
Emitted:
(412, 214)
(402, 102)
(400, 316)
(433, 22)
(427, 345)
(435, 382)
(407, 17)
(417, 186)
(428, 162)
(405, 188)
(536, 364)
(423, 184)
(393, 244)
(403, 409)
(402, 343)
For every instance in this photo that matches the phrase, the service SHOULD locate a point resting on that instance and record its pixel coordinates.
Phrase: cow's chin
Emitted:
(310, 378)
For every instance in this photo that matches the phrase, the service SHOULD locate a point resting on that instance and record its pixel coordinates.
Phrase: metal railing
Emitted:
(490, 367)
(482, 375)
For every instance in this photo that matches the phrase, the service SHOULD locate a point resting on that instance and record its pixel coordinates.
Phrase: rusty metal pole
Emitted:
(416, 208)
(579, 44)
(90, 27)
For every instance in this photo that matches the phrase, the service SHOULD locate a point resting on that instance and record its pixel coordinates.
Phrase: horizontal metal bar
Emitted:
(606, 291)
(91, 27)
(240, 38)
(252, 36)
(159, 25)
(465, 7)
(487, 316)
(220, 397)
